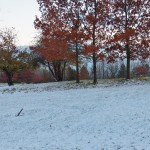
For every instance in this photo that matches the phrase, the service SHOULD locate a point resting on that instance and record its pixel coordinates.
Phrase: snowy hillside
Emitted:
(66, 116)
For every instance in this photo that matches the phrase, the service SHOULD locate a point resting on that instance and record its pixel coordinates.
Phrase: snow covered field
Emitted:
(65, 116)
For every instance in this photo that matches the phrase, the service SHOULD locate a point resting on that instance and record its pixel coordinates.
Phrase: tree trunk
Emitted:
(94, 69)
(57, 70)
(9, 78)
(127, 48)
(128, 62)
(59, 73)
(77, 64)
(94, 43)
(103, 70)
(51, 71)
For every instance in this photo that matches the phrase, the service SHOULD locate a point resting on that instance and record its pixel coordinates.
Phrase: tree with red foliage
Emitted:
(95, 22)
(74, 17)
(53, 46)
(130, 28)
(141, 70)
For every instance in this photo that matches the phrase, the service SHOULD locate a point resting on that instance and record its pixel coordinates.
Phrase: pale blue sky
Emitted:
(21, 15)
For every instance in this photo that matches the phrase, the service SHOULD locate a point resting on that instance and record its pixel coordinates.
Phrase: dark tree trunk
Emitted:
(94, 43)
(51, 71)
(77, 64)
(9, 78)
(94, 69)
(128, 62)
(59, 73)
(103, 70)
(57, 70)
(127, 48)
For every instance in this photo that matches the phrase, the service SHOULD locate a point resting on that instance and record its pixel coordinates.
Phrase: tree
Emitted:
(141, 70)
(53, 45)
(11, 60)
(55, 59)
(95, 21)
(130, 26)
(74, 18)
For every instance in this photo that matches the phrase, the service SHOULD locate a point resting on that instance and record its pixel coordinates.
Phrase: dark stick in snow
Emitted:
(19, 112)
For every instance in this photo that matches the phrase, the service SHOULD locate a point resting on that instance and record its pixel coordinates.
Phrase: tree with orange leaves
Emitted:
(130, 26)
(74, 19)
(53, 46)
(95, 22)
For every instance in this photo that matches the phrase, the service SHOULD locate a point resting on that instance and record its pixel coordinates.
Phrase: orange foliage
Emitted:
(131, 28)
(53, 42)
(95, 25)
(141, 70)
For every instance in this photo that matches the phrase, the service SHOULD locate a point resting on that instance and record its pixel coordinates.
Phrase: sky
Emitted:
(20, 14)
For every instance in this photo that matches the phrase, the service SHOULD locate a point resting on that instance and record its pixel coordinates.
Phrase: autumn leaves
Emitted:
(107, 30)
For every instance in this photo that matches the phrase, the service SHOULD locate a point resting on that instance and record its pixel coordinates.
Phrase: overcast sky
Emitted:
(21, 15)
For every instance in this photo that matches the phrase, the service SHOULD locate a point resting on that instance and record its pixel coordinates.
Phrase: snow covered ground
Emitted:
(66, 116)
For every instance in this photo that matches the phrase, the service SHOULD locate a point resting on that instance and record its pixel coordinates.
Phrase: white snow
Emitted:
(66, 116)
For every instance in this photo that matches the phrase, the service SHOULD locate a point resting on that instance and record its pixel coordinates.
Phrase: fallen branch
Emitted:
(19, 112)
